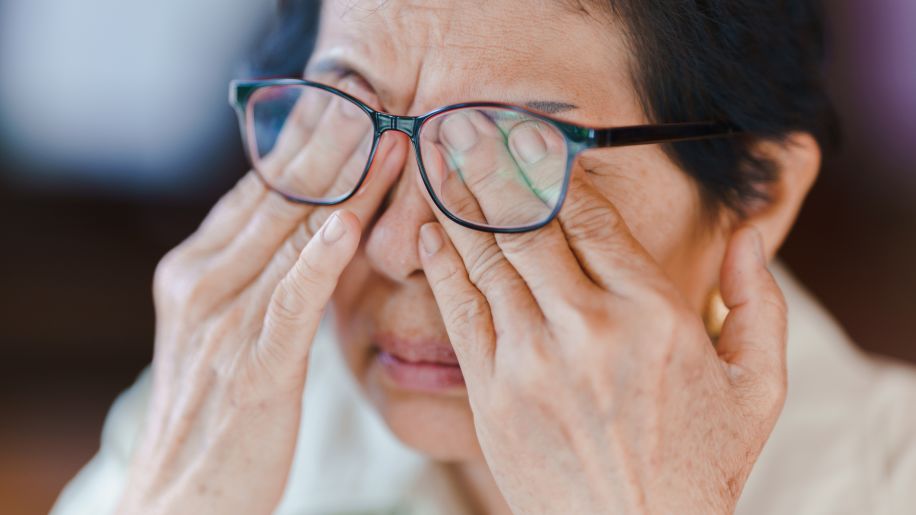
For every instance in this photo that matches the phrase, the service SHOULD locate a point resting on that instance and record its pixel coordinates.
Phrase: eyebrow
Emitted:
(335, 65)
(549, 106)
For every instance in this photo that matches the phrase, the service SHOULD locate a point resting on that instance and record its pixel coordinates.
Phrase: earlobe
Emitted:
(797, 159)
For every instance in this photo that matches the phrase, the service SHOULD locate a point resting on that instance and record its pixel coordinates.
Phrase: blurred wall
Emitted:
(122, 96)
(115, 134)
(855, 242)
(115, 137)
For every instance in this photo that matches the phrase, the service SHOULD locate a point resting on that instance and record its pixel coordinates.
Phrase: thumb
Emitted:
(752, 343)
(299, 301)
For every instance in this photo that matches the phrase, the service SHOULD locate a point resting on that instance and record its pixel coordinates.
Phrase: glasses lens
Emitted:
(307, 142)
(495, 167)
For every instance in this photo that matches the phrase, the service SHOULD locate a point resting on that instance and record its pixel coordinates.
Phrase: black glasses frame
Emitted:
(578, 139)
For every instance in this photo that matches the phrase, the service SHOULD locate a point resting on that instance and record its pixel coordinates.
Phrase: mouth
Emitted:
(418, 365)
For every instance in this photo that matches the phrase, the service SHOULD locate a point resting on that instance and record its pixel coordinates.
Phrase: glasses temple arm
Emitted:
(665, 133)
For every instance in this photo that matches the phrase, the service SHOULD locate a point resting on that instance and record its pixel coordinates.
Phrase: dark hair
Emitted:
(756, 64)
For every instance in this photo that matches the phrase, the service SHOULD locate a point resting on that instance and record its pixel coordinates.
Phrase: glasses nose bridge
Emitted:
(409, 125)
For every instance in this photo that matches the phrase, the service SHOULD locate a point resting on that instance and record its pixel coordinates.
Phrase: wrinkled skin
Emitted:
(591, 384)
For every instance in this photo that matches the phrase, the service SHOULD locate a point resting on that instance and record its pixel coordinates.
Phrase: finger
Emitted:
(487, 268)
(480, 162)
(297, 304)
(229, 215)
(603, 244)
(275, 219)
(385, 170)
(465, 310)
(753, 338)
(309, 105)
(343, 132)
(485, 182)
(540, 153)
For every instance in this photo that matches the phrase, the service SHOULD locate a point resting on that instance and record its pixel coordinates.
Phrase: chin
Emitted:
(416, 386)
(438, 426)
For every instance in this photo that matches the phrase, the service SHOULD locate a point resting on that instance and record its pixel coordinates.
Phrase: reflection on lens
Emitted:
(307, 142)
(494, 167)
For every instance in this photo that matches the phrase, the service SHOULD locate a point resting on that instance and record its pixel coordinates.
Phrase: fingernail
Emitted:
(458, 132)
(528, 143)
(430, 239)
(333, 230)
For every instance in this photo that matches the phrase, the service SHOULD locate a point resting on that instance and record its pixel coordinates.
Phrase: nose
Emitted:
(391, 247)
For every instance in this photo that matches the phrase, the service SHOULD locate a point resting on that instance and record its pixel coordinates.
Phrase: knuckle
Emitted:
(193, 290)
(587, 314)
(174, 281)
(481, 175)
(516, 208)
(483, 263)
(271, 363)
(166, 272)
(466, 311)
(591, 221)
(298, 291)
(313, 273)
(457, 203)
(288, 303)
(518, 243)
(449, 274)
(773, 390)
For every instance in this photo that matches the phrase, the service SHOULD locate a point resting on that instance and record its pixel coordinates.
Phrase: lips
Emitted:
(417, 350)
(418, 364)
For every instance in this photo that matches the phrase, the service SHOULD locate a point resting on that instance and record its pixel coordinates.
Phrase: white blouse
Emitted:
(845, 443)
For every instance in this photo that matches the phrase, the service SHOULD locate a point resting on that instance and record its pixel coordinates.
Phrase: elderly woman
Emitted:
(543, 231)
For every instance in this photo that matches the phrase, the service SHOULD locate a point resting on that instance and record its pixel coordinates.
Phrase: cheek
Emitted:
(663, 209)
(353, 282)
(440, 428)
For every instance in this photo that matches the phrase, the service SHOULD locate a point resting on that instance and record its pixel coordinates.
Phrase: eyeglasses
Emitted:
(487, 166)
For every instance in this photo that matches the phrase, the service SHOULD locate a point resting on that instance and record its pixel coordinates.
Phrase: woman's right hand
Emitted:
(237, 306)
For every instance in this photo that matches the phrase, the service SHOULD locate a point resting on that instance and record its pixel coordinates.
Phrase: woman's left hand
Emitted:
(594, 386)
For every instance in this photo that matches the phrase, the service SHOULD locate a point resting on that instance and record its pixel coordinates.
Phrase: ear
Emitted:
(798, 160)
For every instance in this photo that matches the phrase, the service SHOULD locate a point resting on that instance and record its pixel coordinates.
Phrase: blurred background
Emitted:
(115, 138)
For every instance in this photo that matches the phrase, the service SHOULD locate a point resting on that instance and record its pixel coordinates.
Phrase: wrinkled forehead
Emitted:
(420, 54)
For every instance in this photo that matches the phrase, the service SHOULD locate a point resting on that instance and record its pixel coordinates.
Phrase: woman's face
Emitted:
(409, 57)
